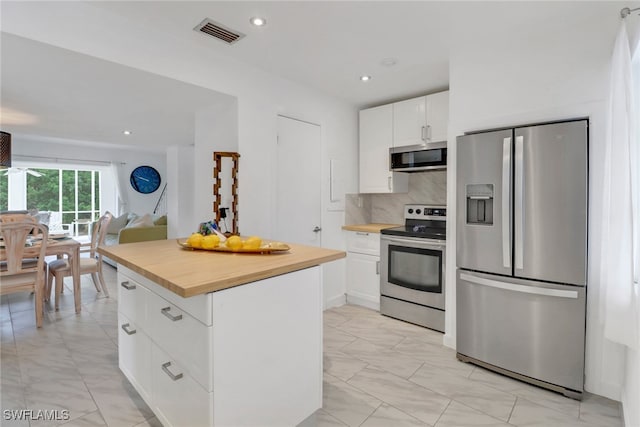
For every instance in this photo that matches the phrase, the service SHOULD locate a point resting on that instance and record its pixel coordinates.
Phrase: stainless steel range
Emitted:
(412, 257)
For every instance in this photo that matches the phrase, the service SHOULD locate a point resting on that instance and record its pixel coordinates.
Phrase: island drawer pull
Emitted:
(165, 368)
(165, 311)
(127, 286)
(125, 328)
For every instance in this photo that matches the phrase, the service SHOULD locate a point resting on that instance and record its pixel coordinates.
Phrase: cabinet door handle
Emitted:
(428, 132)
(389, 183)
(173, 318)
(127, 286)
(126, 327)
(378, 267)
(423, 133)
(361, 233)
(165, 368)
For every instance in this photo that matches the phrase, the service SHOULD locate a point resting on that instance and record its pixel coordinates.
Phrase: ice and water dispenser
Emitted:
(480, 204)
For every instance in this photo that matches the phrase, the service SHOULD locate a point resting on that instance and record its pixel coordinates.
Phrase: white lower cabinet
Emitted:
(363, 269)
(264, 340)
(178, 400)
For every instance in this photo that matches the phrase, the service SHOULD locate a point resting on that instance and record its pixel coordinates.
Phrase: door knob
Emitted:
(316, 229)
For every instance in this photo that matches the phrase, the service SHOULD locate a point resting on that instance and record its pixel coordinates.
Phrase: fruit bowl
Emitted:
(265, 248)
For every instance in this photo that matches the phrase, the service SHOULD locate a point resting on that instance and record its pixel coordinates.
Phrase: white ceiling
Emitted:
(325, 45)
(52, 92)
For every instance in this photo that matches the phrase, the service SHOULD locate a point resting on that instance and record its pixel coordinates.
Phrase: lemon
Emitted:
(210, 242)
(252, 242)
(234, 243)
(195, 240)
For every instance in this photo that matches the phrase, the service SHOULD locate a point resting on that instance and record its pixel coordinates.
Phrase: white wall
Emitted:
(494, 84)
(260, 98)
(29, 150)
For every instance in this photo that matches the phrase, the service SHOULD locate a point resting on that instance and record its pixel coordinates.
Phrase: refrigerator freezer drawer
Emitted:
(531, 328)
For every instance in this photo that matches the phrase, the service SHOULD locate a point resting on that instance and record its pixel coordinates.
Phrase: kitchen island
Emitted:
(211, 338)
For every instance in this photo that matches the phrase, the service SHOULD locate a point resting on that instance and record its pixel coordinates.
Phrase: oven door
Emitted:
(413, 270)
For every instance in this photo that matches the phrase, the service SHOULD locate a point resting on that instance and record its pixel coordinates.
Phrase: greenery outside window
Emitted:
(71, 195)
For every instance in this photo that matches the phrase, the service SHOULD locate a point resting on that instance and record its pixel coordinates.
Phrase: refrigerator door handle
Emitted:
(519, 288)
(519, 203)
(506, 202)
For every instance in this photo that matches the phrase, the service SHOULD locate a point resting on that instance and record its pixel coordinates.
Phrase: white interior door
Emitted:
(298, 182)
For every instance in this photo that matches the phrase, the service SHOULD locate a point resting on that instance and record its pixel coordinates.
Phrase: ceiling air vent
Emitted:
(219, 31)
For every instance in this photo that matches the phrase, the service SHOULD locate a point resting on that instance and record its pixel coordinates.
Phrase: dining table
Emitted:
(58, 245)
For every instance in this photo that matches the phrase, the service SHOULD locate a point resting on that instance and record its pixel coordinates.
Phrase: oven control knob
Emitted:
(418, 211)
(410, 211)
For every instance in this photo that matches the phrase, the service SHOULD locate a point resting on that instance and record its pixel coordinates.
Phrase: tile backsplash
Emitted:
(424, 187)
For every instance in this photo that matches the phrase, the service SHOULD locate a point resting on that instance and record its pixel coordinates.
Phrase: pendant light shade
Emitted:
(5, 150)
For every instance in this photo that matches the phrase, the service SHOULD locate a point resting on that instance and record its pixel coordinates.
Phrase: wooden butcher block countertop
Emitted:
(368, 228)
(188, 273)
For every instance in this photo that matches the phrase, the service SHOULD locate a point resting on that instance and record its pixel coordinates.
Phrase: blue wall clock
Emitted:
(145, 179)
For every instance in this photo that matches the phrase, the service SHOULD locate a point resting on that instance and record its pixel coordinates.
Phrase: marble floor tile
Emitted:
(438, 356)
(341, 365)
(346, 403)
(335, 339)
(475, 395)
(70, 395)
(386, 416)
(529, 414)
(495, 380)
(119, 403)
(48, 364)
(151, 422)
(321, 418)
(94, 419)
(600, 411)
(333, 318)
(458, 415)
(370, 330)
(383, 358)
(532, 393)
(549, 399)
(404, 395)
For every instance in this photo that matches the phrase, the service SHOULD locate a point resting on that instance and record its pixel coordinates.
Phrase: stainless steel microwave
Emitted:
(421, 157)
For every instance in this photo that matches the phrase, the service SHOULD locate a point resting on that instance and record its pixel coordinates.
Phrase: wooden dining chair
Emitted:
(16, 276)
(60, 268)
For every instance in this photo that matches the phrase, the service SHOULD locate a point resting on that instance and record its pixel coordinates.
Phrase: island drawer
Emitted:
(132, 299)
(183, 337)
(178, 400)
(199, 306)
(134, 354)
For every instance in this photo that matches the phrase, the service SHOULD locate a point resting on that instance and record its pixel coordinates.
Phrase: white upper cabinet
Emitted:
(437, 116)
(409, 122)
(415, 121)
(376, 133)
(421, 120)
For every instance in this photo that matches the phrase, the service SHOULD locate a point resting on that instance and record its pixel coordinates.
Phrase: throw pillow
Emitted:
(161, 221)
(142, 221)
(117, 224)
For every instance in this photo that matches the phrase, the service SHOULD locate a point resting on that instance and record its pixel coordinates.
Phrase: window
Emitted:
(71, 195)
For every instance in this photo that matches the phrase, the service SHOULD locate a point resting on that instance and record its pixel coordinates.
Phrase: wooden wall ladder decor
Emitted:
(217, 186)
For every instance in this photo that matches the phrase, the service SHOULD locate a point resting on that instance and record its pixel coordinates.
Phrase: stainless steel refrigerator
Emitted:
(522, 252)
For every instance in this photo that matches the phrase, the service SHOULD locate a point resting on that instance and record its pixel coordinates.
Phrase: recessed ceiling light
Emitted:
(365, 78)
(389, 62)
(126, 132)
(258, 22)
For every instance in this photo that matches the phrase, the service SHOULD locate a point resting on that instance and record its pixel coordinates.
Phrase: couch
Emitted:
(131, 228)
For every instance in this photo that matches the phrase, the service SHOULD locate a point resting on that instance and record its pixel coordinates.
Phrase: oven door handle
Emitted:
(422, 244)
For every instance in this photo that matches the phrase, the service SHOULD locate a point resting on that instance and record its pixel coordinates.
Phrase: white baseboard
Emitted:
(449, 341)
(336, 301)
(364, 301)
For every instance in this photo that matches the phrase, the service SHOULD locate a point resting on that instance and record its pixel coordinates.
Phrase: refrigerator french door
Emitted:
(522, 252)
